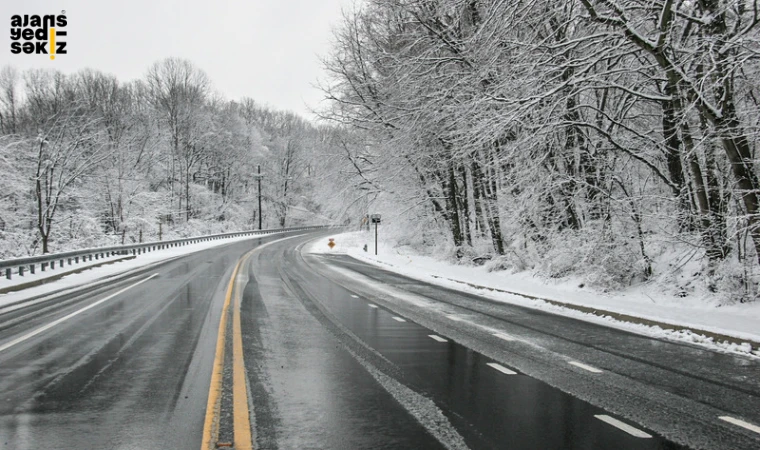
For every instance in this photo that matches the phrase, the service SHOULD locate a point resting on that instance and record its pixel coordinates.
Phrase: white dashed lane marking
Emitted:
(437, 338)
(354, 296)
(585, 367)
(398, 319)
(623, 426)
(372, 306)
(502, 369)
(741, 423)
(454, 318)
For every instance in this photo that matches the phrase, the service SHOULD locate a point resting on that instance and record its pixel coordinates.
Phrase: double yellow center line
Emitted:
(241, 414)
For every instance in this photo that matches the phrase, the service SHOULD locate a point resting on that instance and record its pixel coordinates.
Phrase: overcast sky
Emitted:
(264, 49)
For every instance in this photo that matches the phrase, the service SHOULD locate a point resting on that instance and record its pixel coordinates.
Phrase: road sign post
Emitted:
(375, 218)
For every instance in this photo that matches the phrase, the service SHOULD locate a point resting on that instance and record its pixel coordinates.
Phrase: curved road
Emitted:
(325, 352)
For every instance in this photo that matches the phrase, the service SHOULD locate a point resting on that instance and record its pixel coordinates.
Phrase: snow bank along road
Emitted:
(257, 344)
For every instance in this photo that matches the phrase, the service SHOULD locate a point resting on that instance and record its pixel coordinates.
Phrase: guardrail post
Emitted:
(52, 265)
(8, 273)
(31, 269)
(69, 261)
(21, 271)
(43, 266)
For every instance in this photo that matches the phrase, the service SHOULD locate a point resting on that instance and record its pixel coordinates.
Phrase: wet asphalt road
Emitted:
(666, 388)
(130, 373)
(339, 355)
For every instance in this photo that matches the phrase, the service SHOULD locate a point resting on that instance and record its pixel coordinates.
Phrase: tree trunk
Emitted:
(718, 203)
(450, 188)
(477, 199)
(490, 205)
(465, 206)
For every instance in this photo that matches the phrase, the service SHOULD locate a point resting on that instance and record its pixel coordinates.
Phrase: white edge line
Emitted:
(354, 296)
(437, 338)
(44, 328)
(623, 426)
(502, 369)
(504, 336)
(372, 306)
(740, 423)
(585, 367)
(398, 319)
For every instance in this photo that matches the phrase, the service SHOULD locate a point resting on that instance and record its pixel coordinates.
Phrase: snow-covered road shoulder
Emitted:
(91, 273)
(732, 328)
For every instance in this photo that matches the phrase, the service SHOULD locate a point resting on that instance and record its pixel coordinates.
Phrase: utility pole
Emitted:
(258, 178)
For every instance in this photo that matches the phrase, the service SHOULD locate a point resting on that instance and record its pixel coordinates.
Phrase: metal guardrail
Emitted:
(75, 257)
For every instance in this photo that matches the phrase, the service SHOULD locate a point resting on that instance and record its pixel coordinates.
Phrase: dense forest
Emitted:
(612, 140)
(87, 160)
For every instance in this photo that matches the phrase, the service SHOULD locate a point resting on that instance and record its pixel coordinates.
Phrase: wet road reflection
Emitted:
(326, 370)
(130, 373)
(489, 408)
(307, 390)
